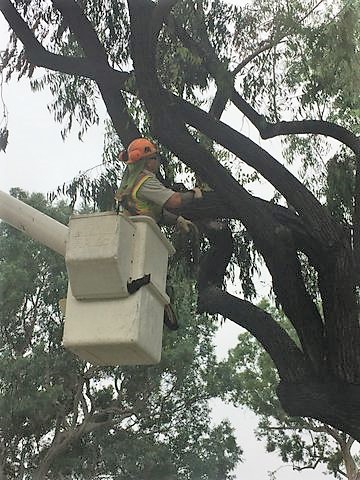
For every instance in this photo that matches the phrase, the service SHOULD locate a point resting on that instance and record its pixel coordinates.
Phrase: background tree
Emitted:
(62, 418)
(302, 443)
(292, 69)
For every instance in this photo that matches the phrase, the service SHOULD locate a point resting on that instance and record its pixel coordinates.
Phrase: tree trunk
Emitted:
(333, 403)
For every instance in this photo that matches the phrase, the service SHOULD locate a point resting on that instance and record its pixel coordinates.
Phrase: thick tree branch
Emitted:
(215, 261)
(320, 127)
(119, 114)
(212, 206)
(108, 85)
(83, 29)
(291, 188)
(274, 243)
(334, 259)
(41, 57)
(212, 271)
(94, 66)
(283, 264)
(288, 358)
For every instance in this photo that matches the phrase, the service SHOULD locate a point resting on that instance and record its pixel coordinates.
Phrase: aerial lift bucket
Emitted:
(107, 257)
(106, 254)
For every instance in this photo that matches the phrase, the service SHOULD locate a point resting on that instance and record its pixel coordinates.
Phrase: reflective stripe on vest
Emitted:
(143, 207)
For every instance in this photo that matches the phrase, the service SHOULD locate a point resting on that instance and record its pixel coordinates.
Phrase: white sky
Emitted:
(38, 160)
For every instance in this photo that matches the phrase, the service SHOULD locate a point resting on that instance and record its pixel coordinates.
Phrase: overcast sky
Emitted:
(38, 160)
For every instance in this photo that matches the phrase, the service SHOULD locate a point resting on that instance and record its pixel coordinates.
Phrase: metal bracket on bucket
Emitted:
(135, 285)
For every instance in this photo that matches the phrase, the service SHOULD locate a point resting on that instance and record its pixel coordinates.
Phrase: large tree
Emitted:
(290, 68)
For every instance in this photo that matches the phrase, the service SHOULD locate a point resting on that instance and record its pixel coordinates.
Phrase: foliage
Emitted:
(122, 422)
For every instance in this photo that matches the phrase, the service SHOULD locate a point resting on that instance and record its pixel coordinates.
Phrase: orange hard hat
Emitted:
(140, 148)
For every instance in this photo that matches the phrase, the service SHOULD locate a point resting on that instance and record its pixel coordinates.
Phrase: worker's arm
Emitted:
(179, 199)
(155, 191)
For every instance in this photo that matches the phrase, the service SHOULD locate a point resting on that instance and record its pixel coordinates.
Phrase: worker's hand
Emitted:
(183, 224)
(197, 193)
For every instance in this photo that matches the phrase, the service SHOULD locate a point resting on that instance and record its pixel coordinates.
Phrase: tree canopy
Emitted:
(168, 69)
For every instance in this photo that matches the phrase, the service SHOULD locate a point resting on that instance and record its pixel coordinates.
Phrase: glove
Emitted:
(197, 193)
(183, 224)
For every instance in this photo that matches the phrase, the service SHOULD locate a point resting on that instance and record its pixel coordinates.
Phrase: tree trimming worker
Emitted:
(141, 193)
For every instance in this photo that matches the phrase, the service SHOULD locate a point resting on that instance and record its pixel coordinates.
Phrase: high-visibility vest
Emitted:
(135, 206)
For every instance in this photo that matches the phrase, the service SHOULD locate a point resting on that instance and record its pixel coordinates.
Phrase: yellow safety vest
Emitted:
(135, 206)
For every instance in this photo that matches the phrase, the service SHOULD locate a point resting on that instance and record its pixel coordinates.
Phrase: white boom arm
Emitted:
(33, 223)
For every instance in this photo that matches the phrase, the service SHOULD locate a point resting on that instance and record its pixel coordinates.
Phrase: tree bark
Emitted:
(332, 402)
